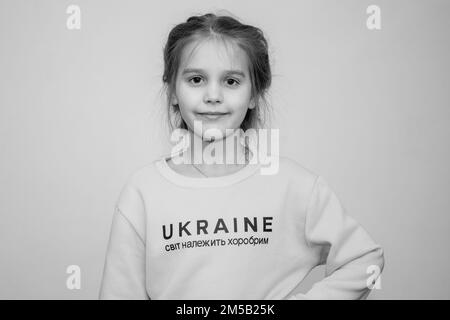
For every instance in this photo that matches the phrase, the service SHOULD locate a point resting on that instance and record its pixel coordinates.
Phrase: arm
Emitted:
(124, 270)
(124, 274)
(342, 244)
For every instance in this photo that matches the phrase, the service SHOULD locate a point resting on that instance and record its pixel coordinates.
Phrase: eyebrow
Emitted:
(195, 70)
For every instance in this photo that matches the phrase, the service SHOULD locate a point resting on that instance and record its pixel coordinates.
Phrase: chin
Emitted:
(223, 127)
(215, 137)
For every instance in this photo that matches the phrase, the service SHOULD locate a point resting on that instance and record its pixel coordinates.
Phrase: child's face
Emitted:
(220, 83)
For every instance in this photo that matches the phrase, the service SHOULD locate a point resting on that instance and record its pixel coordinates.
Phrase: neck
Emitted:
(218, 157)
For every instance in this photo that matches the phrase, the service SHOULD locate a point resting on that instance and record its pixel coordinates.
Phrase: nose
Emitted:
(213, 94)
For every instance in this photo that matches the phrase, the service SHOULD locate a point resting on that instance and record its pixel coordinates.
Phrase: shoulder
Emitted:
(306, 180)
(296, 169)
(284, 170)
(135, 188)
(316, 184)
(145, 173)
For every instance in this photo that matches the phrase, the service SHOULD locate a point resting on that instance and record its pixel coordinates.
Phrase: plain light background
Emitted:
(81, 110)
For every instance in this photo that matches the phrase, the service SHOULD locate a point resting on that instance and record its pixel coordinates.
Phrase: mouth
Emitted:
(212, 115)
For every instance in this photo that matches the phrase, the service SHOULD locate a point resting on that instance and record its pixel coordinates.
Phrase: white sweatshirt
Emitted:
(240, 236)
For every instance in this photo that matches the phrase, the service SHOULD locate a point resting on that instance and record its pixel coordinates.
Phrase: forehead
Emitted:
(214, 55)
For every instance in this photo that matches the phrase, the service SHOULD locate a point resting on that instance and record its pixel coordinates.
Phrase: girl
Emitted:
(215, 229)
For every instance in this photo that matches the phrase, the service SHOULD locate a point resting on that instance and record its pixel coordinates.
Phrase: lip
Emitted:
(212, 115)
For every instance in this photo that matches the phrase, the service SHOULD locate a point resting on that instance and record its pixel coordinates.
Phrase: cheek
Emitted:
(240, 101)
(241, 96)
(187, 96)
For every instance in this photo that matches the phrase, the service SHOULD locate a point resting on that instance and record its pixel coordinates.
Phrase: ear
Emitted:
(252, 104)
(174, 100)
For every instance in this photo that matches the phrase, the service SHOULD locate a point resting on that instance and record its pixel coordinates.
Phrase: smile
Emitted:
(212, 115)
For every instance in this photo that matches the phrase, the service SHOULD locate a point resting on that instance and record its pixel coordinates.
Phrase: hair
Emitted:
(250, 39)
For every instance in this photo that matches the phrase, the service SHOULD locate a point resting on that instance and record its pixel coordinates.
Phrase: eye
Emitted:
(232, 82)
(196, 79)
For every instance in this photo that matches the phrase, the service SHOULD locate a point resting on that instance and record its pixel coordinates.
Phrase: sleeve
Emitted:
(124, 275)
(353, 260)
